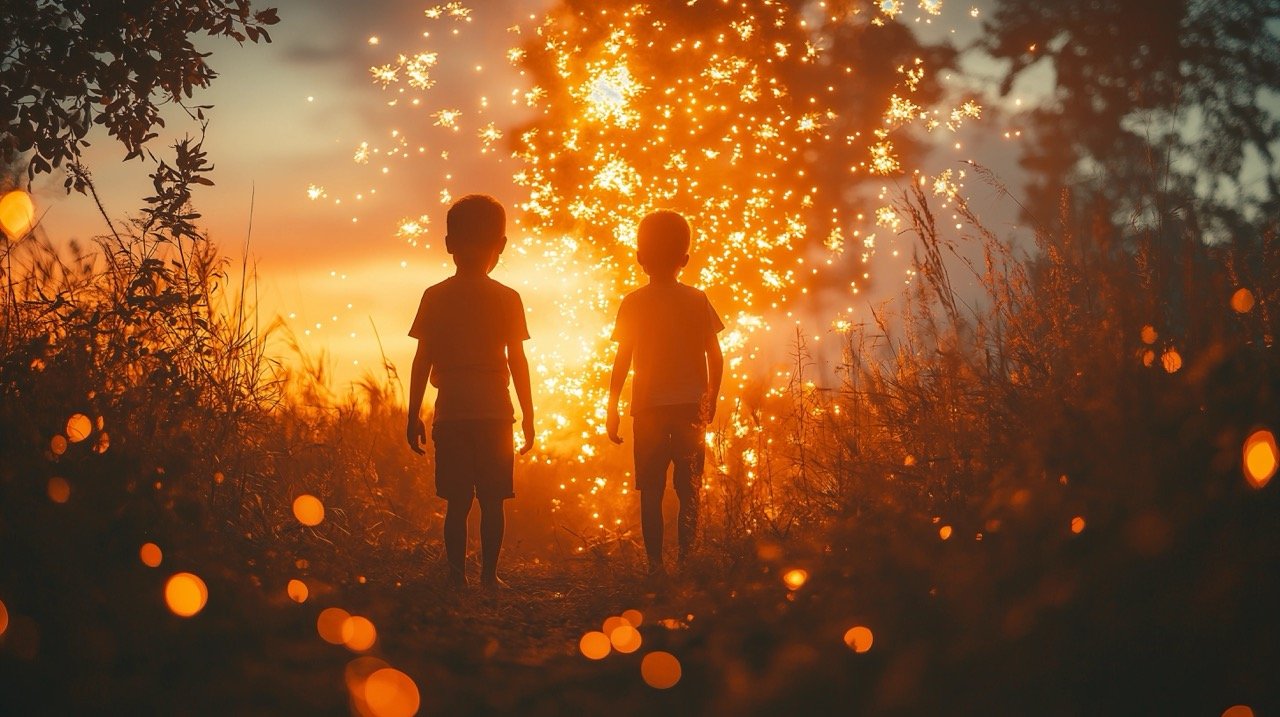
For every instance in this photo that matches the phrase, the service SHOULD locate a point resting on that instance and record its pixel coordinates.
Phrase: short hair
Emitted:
(476, 219)
(663, 238)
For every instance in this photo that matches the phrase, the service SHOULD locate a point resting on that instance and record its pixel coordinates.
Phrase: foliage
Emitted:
(1182, 85)
(68, 66)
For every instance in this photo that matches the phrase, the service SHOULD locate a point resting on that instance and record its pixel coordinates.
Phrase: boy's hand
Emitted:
(527, 426)
(708, 408)
(611, 424)
(417, 435)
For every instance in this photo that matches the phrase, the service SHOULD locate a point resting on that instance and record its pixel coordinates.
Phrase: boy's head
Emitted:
(662, 243)
(476, 231)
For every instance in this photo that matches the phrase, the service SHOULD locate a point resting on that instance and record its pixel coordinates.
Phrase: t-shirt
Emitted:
(668, 324)
(467, 323)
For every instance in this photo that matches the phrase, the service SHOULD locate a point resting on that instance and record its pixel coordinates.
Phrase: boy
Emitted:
(470, 331)
(669, 330)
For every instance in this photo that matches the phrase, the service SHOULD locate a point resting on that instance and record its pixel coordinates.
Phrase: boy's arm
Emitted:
(621, 367)
(715, 373)
(417, 431)
(519, 365)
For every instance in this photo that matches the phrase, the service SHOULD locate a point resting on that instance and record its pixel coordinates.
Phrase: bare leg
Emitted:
(492, 527)
(651, 525)
(455, 539)
(688, 519)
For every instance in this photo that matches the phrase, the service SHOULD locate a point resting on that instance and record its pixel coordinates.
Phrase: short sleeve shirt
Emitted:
(467, 324)
(668, 325)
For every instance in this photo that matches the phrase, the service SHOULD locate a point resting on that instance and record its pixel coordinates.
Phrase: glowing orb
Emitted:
(358, 633)
(944, 532)
(595, 645)
(1242, 301)
(1171, 360)
(357, 675)
(150, 555)
(59, 490)
(634, 618)
(79, 427)
(660, 670)
(308, 510)
(329, 624)
(4, 617)
(391, 693)
(1077, 524)
(613, 622)
(625, 639)
(58, 444)
(795, 578)
(1149, 334)
(17, 214)
(1260, 458)
(186, 594)
(1238, 711)
(859, 638)
(297, 591)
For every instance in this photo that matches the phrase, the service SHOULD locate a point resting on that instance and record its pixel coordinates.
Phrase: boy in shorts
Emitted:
(470, 331)
(668, 329)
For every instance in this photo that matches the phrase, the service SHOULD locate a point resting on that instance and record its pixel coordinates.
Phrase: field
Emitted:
(1057, 502)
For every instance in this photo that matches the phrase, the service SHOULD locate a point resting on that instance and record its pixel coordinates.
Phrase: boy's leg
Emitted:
(651, 525)
(652, 445)
(492, 526)
(690, 453)
(455, 538)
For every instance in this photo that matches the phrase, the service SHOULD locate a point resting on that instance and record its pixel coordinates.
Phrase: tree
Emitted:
(1160, 99)
(70, 64)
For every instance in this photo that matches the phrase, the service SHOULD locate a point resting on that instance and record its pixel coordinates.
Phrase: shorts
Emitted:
(474, 458)
(669, 436)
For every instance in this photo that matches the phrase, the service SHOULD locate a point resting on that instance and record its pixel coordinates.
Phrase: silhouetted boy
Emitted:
(669, 330)
(470, 331)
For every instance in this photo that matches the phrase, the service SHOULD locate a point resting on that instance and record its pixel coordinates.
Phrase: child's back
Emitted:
(470, 321)
(668, 330)
(470, 332)
(667, 324)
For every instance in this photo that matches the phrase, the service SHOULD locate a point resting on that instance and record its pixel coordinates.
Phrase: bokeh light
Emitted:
(308, 510)
(1238, 711)
(944, 532)
(4, 617)
(1260, 458)
(79, 427)
(151, 555)
(330, 623)
(391, 693)
(1077, 524)
(1171, 360)
(625, 639)
(1242, 301)
(795, 578)
(59, 490)
(859, 638)
(358, 633)
(595, 645)
(17, 214)
(660, 670)
(613, 622)
(297, 591)
(58, 444)
(356, 675)
(186, 594)
(633, 617)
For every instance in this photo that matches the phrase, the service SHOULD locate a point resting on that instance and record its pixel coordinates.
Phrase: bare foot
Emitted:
(494, 583)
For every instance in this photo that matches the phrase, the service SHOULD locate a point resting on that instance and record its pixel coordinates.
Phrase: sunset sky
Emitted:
(290, 115)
